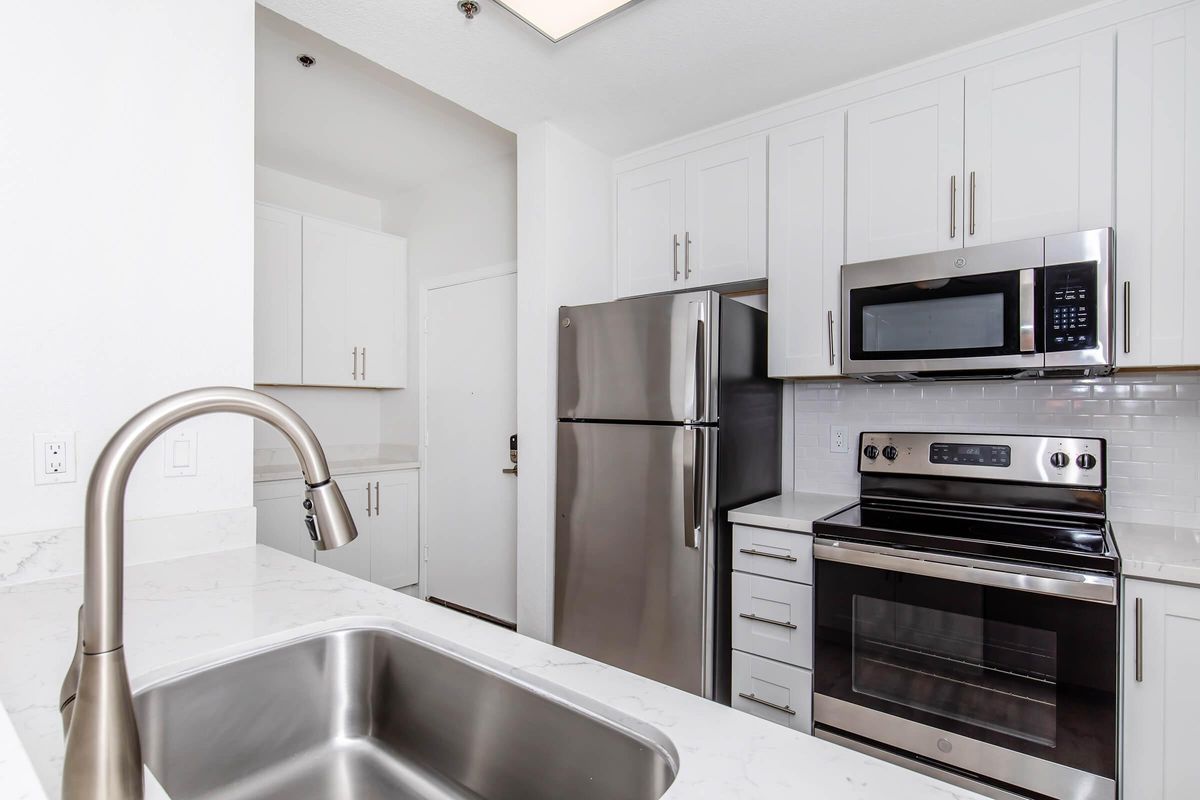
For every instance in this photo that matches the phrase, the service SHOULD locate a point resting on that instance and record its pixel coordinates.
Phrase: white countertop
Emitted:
(790, 511)
(281, 464)
(1158, 552)
(195, 607)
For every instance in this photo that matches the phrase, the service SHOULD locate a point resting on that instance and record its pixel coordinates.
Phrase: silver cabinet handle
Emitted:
(971, 217)
(785, 709)
(364, 369)
(377, 498)
(354, 371)
(830, 315)
(687, 254)
(1137, 640)
(953, 203)
(750, 552)
(754, 618)
(1126, 304)
(368, 498)
(675, 256)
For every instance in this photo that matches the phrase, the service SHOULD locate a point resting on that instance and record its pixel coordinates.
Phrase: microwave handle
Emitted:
(1025, 311)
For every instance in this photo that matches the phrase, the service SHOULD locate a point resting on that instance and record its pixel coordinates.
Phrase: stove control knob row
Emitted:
(871, 452)
(1059, 460)
(1086, 461)
(890, 453)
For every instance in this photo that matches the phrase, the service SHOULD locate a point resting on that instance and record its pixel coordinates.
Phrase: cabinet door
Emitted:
(277, 295)
(904, 172)
(378, 307)
(1039, 142)
(725, 231)
(330, 357)
(281, 517)
(354, 558)
(1161, 708)
(650, 229)
(806, 245)
(394, 546)
(1158, 190)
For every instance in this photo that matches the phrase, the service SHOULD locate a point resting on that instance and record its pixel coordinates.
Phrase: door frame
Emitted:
(428, 285)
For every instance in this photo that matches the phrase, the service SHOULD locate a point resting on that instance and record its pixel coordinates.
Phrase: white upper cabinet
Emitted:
(903, 173)
(277, 295)
(1158, 190)
(725, 236)
(650, 227)
(355, 285)
(806, 186)
(1039, 142)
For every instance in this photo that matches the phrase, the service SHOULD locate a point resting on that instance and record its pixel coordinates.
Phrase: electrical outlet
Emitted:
(839, 439)
(53, 458)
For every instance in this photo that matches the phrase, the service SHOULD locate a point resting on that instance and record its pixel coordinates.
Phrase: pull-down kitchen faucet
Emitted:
(103, 754)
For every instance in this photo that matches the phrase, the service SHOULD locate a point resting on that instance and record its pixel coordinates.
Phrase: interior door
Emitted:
(277, 295)
(650, 227)
(629, 590)
(471, 411)
(725, 237)
(1039, 142)
(904, 191)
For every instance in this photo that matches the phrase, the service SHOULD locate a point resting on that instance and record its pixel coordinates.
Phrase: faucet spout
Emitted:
(103, 752)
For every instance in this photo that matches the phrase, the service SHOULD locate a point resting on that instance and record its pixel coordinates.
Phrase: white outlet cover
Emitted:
(839, 439)
(43, 445)
(179, 453)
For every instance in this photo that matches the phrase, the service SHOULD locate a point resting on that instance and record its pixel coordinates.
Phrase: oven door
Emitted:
(1007, 675)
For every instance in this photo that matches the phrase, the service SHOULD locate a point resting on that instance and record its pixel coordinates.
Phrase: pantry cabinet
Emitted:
(277, 295)
(694, 221)
(1160, 697)
(807, 190)
(1158, 198)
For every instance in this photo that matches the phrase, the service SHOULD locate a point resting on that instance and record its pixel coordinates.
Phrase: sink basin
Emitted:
(364, 713)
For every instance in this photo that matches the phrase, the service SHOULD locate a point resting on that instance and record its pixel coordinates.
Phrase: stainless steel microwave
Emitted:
(1019, 309)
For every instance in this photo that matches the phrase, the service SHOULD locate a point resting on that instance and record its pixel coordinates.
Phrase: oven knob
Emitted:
(871, 452)
(890, 453)
(1059, 460)
(1086, 461)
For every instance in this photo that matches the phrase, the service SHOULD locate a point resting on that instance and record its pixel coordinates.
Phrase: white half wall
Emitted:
(564, 257)
(126, 186)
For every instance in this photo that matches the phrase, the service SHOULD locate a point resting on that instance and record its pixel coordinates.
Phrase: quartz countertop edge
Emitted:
(355, 466)
(1158, 552)
(240, 599)
(791, 511)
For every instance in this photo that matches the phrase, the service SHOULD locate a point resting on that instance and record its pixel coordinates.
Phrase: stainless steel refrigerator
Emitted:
(666, 420)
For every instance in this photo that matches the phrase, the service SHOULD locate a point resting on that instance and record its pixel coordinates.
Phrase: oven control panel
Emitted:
(1055, 460)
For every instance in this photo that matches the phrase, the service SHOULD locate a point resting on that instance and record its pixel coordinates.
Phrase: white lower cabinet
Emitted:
(1160, 693)
(776, 692)
(385, 511)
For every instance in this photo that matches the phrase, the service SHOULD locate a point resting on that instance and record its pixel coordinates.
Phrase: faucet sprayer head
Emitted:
(329, 522)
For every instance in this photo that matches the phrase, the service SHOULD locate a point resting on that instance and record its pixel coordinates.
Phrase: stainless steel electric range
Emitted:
(966, 613)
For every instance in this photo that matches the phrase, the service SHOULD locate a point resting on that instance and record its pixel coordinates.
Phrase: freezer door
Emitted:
(633, 576)
(645, 359)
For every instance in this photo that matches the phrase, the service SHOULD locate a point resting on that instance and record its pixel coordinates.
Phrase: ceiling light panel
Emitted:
(558, 19)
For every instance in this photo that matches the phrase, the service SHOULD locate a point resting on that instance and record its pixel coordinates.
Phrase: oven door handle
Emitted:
(1058, 583)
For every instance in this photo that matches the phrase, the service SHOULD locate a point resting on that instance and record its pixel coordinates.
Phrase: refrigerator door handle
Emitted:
(696, 364)
(695, 488)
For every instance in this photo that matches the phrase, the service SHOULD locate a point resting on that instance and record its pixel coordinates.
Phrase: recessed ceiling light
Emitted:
(556, 20)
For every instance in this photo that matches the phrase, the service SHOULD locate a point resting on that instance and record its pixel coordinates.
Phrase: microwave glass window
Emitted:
(945, 323)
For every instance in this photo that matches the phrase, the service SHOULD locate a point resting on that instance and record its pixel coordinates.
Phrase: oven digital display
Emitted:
(980, 455)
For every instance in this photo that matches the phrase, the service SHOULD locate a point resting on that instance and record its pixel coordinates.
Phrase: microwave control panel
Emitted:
(1070, 307)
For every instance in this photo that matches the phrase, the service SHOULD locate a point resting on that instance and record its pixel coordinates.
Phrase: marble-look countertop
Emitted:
(1158, 552)
(790, 511)
(200, 607)
(281, 464)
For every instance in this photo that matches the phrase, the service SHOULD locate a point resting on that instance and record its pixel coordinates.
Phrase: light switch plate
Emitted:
(179, 453)
(53, 458)
(839, 439)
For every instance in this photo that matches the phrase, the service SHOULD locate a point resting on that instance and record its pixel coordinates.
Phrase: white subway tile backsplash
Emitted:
(1150, 420)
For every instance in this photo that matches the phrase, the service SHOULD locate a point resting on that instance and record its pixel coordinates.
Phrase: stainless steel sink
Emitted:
(366, 713)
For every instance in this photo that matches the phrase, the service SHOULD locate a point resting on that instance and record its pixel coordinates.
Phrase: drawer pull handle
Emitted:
(785, 709)
(752, 552)
(754, 618)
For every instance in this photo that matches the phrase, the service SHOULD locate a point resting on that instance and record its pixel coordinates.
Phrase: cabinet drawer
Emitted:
(773, 618)
(775, 554)
(776, 692)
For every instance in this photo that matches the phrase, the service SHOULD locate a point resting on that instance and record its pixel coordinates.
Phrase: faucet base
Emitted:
(104, 755)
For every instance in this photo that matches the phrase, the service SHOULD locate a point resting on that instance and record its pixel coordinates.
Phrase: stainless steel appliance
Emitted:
(1032, 307)
(966, 613)
(666, 419)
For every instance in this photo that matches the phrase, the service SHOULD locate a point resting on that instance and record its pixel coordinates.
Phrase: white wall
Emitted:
(460, 222)
(318, 199)
(126, 180)
(564, 232)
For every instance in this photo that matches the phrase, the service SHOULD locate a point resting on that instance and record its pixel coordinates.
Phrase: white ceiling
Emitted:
(661, 68)
(350, 123)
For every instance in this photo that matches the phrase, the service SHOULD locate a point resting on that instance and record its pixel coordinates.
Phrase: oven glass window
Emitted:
(995, 675)
(945, 323)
